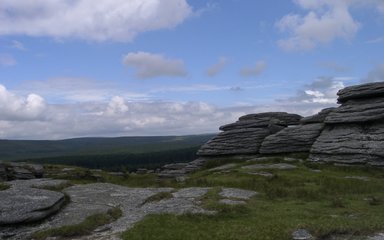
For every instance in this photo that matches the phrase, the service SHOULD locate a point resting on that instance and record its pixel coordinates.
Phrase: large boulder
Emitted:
(22, 203)
(370, 90)
(292, 139)
(357, 111)
(246, 135)
(237, 141)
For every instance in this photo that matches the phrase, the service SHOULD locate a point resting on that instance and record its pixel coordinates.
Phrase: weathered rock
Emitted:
(237, 193)
(237, 141)
(357, 111)
(286, 118)
(317, 118)
(370, 90)
(232, 202)
(13, 171)
(301, 234)
(351, 144)
(292, 139)
(281, 166)
(223, 167)
(142, 171)
(175, 166)
(23, 204)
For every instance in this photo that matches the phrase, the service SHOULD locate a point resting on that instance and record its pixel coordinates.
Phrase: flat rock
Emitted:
(233, 142)
(232, 202)
(23, 204)
(350, 144)
(237, 193)
(369, 90)
(292, 139)
(286, 118)
(357, 111)
(280, 166)
(223, 167)
(317, 118)
(263, 174)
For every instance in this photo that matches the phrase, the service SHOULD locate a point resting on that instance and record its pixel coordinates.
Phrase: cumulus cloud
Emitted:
(117, 20)
(375, 75)
(16, 108)
(217, 67)
(255, 70)
(150, 65)
(322, 91)
(7, 60)
(325, 21)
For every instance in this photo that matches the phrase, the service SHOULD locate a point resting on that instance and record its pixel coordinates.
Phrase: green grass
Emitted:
(3, 186)
(323, 202)
(84, 228)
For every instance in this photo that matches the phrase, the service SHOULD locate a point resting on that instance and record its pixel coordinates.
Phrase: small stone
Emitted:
(301, 234)
(223, 167)
(362, 178)
(281, 166)
(264, 174)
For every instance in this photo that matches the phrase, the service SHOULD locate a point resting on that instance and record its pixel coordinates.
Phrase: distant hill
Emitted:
(11, 150)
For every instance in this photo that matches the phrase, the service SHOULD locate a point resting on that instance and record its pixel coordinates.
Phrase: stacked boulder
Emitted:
(354, 132)
(247, 134)
(297, 138)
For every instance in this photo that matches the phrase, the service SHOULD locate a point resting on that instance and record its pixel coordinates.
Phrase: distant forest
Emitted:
(113, 154)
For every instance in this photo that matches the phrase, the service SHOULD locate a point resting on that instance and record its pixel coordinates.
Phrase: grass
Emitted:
(84, 228)
(3, 186)
(324, 203)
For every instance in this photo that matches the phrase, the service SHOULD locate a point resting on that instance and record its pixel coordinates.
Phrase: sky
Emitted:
(89, 68)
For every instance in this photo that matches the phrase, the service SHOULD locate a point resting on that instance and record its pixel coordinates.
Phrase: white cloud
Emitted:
(16, 108)
(117, 20)
(322, 90)
(375, 75)
(218, 67)
(325, 21)
(7, 60)
(150, 65)
(76, 89)
(254, 70)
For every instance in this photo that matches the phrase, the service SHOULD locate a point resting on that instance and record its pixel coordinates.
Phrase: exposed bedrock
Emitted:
(350, 143)
(292, 139)
(286, 118)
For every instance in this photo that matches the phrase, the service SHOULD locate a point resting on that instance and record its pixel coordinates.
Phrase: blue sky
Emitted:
(171, 67)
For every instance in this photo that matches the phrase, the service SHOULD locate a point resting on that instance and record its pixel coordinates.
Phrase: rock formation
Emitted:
(354, 132)
(246, 135)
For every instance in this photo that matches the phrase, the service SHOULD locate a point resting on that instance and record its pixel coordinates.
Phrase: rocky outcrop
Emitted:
(246, 135)
(179, 171)
(14, 171)
(317, 118)
(354, 132)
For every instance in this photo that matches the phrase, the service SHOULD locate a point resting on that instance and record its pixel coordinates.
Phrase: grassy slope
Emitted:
(29, 149)
(323, 202)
